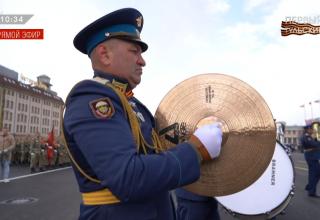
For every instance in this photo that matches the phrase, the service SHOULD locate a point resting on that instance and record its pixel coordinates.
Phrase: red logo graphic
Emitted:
(21, 34)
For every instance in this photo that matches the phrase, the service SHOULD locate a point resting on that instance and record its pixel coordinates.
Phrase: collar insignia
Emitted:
(102, 108)
(122, 87)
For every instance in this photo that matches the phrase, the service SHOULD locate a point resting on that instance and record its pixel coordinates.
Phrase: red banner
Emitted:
(21, 34)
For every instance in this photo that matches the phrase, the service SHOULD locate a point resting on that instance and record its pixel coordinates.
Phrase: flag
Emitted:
(50, 140)
(317, 101)
(50, 146)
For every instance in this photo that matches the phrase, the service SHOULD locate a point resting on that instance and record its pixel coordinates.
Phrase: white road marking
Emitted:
(38, 173)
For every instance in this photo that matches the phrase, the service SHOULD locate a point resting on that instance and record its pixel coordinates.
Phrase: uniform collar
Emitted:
(119, 83)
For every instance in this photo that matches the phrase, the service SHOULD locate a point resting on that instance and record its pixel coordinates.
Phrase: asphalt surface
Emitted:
(53, 195)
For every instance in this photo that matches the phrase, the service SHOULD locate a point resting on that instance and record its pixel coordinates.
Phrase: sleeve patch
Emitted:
(102, 108)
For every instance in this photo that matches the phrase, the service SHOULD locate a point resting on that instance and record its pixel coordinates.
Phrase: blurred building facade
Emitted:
(28, 106)
(292, 136)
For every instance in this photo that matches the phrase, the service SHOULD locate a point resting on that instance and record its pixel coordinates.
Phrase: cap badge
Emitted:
(139, 21)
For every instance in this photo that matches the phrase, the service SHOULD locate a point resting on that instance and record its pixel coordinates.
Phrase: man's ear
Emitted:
(103, 53)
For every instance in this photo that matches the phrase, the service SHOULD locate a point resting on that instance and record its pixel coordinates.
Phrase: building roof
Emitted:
(34, 91)
(8, 72)
(294, 127)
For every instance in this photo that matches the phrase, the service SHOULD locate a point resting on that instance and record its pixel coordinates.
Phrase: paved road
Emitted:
(54, 195)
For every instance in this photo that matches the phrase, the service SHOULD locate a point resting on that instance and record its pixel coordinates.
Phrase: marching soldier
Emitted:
(17, 150)
(63, 155)
(37, 154)
(25, 150)
(312, 156)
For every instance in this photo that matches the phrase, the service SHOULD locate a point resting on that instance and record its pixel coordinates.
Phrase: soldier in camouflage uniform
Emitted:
(25, 150)
(63, 154)
(16, 151)
(37, 154)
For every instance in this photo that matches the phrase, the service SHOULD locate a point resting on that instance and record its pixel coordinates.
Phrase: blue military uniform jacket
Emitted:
(311, 147)
(104, 147)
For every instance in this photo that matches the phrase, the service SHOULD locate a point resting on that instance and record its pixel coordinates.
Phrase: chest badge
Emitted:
(102, 108)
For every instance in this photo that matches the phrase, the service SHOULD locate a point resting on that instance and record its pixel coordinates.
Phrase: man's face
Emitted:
(310, 131)
(126, 61)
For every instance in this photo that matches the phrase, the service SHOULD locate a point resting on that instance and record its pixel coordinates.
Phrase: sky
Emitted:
(186, 38)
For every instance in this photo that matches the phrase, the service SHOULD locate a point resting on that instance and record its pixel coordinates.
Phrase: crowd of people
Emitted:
(33, 151)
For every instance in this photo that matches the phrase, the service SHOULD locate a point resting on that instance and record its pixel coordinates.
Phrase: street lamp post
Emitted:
(310, 103)
(304, 109)
(317, 101)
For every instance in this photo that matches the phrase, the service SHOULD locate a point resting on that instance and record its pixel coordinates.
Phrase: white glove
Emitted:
(5, 150)
(211, 137)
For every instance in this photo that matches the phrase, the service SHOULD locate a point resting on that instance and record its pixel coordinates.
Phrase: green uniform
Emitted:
(63, 158)
(37, 155)
(16, 151)
(25, 150)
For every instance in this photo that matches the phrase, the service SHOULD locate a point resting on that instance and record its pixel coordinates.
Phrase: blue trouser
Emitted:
(197, 210)
(313, 173)
(5, 169)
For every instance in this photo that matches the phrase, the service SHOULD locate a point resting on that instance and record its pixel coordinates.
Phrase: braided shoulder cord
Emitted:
(135, 129)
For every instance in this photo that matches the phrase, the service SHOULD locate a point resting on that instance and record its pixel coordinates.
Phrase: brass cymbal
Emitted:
(249, 133)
